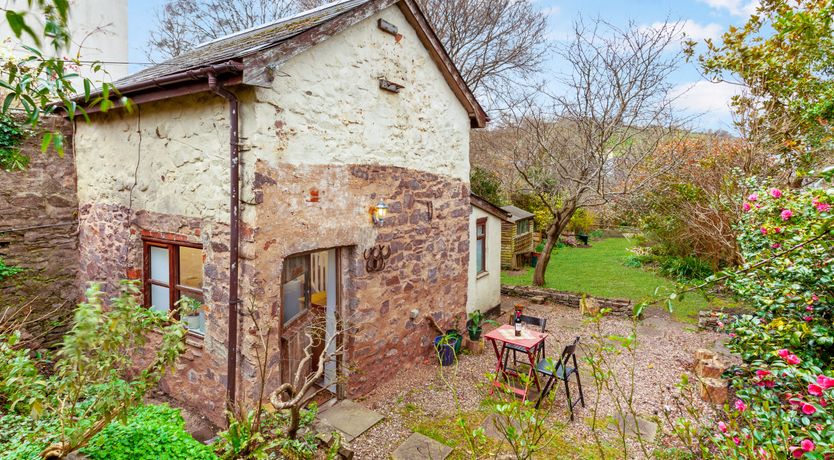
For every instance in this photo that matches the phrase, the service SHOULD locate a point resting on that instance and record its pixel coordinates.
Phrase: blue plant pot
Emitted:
(445, 351)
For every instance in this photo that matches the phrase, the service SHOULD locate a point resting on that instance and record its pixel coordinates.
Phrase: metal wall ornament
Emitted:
(375, 257)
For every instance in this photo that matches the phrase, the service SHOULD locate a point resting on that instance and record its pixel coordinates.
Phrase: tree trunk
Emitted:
(295, 418)
(554, 231)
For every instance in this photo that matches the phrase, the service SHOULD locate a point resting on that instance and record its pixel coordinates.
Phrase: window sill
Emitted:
(482, 274)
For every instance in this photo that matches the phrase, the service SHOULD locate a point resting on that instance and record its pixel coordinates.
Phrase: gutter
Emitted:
(177, 84)
(234, 223)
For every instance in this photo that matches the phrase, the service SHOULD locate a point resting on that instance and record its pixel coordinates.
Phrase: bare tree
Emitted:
(184, 24)
(493, 42)
(595, 141)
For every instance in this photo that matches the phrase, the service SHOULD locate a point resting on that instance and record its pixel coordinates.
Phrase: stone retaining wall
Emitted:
(618, 307)
(39, 233)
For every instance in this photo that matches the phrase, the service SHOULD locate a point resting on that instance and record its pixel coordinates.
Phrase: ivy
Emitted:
(8, 270)
(11, 137)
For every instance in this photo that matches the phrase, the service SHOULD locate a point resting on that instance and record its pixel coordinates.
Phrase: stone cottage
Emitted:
(254, 173)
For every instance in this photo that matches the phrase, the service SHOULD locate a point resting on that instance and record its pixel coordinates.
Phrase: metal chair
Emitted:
(562, 371)
(534, 321)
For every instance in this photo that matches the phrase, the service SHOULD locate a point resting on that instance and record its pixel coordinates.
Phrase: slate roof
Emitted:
(244, 43)
(517, 213)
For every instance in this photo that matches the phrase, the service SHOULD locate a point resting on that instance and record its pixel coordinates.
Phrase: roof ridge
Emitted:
(273, 23)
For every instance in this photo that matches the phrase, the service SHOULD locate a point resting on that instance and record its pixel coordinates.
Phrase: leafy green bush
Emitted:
(685, 268)
(633, 261)
(86, 392)
(597, 234)
(151, 432)
(23, 437)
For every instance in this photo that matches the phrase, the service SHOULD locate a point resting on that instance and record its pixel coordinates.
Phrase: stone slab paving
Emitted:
(491, 431)
(421, 447)
(632, 426)
(350, 418)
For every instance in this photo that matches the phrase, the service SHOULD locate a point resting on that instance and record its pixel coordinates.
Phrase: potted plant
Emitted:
(474, 328)
(475, 325)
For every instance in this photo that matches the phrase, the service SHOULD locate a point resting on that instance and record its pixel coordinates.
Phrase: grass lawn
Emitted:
(599, 271)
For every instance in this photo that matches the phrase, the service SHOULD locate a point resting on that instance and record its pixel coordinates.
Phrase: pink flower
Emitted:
(808, 319)
(825, 382)
(740, 406)
(808, 409)
(807, 445)
(823, 207)
(809, 308)
(753, 197)
(814, 297)
(764, 231)
(777, 230)
(775, 245)
(722, 426)
(814, 390)
(775, 193)
(746, 207)
(783, 353)
(786, 214)
(732, 335)
(797, 452)
(720, 324)
(761, 373)
(736, 440)
(793, 359)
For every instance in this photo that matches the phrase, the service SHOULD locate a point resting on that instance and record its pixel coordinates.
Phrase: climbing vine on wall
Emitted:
(12, 135)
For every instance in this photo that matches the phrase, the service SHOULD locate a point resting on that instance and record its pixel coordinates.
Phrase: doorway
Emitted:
(311, 291)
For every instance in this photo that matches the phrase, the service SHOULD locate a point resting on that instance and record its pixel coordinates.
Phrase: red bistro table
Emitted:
(529, 341)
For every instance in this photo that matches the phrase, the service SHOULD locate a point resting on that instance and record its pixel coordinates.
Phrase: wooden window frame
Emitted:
(175, 289)
(481, 223)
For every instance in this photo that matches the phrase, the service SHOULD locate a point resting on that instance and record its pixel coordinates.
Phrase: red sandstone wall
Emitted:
(427, 269)
(111, 250)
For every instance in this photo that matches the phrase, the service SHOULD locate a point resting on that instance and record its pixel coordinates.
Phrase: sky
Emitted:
(700, 19)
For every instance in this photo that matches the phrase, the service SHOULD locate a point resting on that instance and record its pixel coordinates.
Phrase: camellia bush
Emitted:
(785, 388)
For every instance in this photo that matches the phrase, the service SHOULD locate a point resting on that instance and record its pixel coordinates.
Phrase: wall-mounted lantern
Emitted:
(379, 212)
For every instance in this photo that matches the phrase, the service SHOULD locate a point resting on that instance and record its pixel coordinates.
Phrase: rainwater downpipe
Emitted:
(234, 224)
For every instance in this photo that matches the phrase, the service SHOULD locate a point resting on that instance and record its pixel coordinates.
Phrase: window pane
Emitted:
(160, 298)
(159, 264)
(479, 256)
(481, 229)
(197, 322)
(295, 289)
(191, 267)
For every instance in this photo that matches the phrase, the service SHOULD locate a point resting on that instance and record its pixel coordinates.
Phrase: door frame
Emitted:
(340, 339)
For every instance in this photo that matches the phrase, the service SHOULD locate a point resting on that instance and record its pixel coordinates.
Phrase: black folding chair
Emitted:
(561, 370)
(534, 321)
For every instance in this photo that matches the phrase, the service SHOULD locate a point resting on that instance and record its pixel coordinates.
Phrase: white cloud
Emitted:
(709, 100)
(734, 7)
(692, 30)
(696, 31)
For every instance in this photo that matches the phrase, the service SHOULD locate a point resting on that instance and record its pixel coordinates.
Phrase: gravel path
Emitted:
(665, 350)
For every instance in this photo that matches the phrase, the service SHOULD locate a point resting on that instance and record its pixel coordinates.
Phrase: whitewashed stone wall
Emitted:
(326, 107)
(484, 289)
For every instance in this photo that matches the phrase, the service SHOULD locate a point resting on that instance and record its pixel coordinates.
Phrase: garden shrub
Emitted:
(785, 386)
(687, 268)
(151, 432)
(85, 391)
